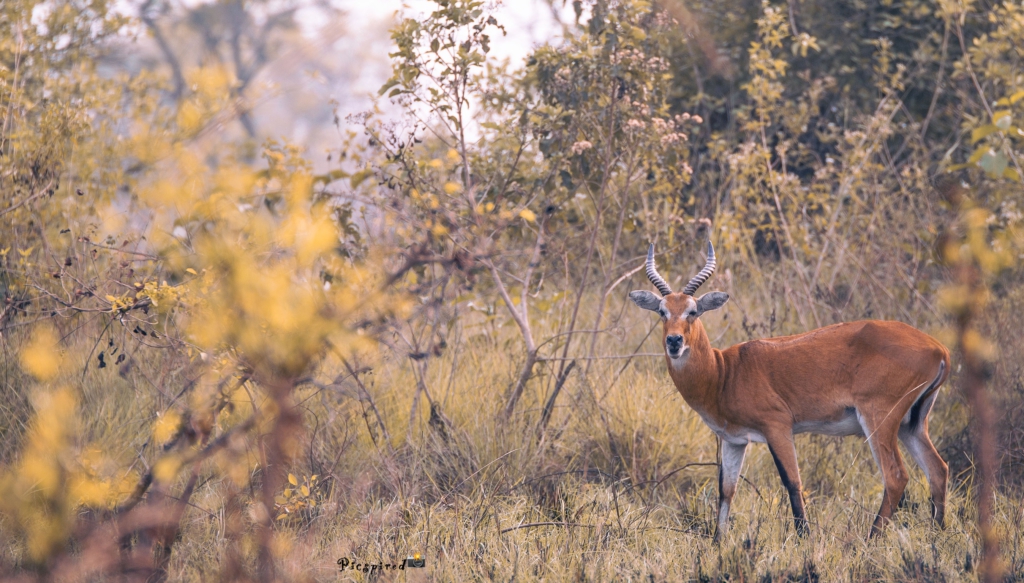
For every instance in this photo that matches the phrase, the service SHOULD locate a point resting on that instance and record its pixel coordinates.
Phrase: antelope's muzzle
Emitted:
(674, 345)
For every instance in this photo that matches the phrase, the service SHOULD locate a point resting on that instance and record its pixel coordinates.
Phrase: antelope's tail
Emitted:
(923, 405)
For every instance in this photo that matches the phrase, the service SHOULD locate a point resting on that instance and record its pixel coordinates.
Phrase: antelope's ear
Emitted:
(646, 300)
(711, 301)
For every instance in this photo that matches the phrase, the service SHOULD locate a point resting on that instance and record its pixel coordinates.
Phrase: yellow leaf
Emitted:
(292, 480)
(528, 215)
(166, 468)
(166, 426)
(44, 475)
(316, 238)
(189, 117)
(452, 187)
(41, 357)
(977, 345)
(87, 491)
(305, 490)
(190, 270)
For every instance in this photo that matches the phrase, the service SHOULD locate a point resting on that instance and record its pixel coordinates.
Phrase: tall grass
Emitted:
(622, 484)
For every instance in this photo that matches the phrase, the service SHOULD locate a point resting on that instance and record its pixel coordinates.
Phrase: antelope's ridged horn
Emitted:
(652, 273)
(704, 274)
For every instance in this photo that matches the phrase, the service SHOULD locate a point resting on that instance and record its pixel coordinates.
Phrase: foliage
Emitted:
(218, 353)
(297, 497)
(260, 289)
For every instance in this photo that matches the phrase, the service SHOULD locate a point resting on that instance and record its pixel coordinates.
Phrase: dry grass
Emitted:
(622, 486)
(634, 517)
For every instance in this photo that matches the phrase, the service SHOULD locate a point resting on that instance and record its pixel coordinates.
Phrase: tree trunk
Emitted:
(975, 375)
(524, 376)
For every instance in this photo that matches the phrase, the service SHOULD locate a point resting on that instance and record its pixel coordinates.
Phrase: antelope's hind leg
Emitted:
(914, 436)
(881, 435)
(728, 476)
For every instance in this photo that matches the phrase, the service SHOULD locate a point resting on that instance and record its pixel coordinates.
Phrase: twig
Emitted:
(938, 84)
(677, 470)
(522, 319)
(564, 473)
(139, 253)
(214, 446)
(28, 199)
(792, 18)
(636, 352)
(550, 405)
(373, 406)
(571, 332)
(606, 357)
(534, 524)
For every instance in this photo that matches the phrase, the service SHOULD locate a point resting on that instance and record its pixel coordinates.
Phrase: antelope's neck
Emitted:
(699, 381)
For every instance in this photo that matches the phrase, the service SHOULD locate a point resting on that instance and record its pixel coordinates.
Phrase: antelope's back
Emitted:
(843, 365)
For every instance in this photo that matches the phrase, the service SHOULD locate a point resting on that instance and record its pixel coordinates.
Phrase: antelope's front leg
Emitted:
(728, 476)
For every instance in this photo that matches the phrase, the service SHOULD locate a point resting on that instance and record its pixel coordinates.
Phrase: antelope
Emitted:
(876, 379)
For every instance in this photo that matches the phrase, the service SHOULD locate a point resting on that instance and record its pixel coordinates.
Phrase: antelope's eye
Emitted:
(692, 313)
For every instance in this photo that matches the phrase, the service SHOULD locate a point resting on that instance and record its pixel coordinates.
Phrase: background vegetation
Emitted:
(229, 357)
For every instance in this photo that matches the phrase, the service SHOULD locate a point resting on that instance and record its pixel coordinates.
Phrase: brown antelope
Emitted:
(870, 378)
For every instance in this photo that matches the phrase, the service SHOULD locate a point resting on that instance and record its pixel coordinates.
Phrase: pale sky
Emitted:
(528, 23)
(346, 63)
(360, 55)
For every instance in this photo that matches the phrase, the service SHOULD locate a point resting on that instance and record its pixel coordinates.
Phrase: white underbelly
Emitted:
(735, 435)
(741, 436)
(847, 425)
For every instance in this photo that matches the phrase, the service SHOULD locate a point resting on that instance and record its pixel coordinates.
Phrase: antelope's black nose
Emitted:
(673, 342)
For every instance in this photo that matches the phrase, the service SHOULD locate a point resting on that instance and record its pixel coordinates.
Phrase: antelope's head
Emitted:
(680, 311)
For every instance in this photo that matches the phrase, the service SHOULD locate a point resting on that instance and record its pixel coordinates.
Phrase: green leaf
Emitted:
(1002, 119)
(993, 163)
(391, 83)
(330, 176)
(977, 155)
(360, 176)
